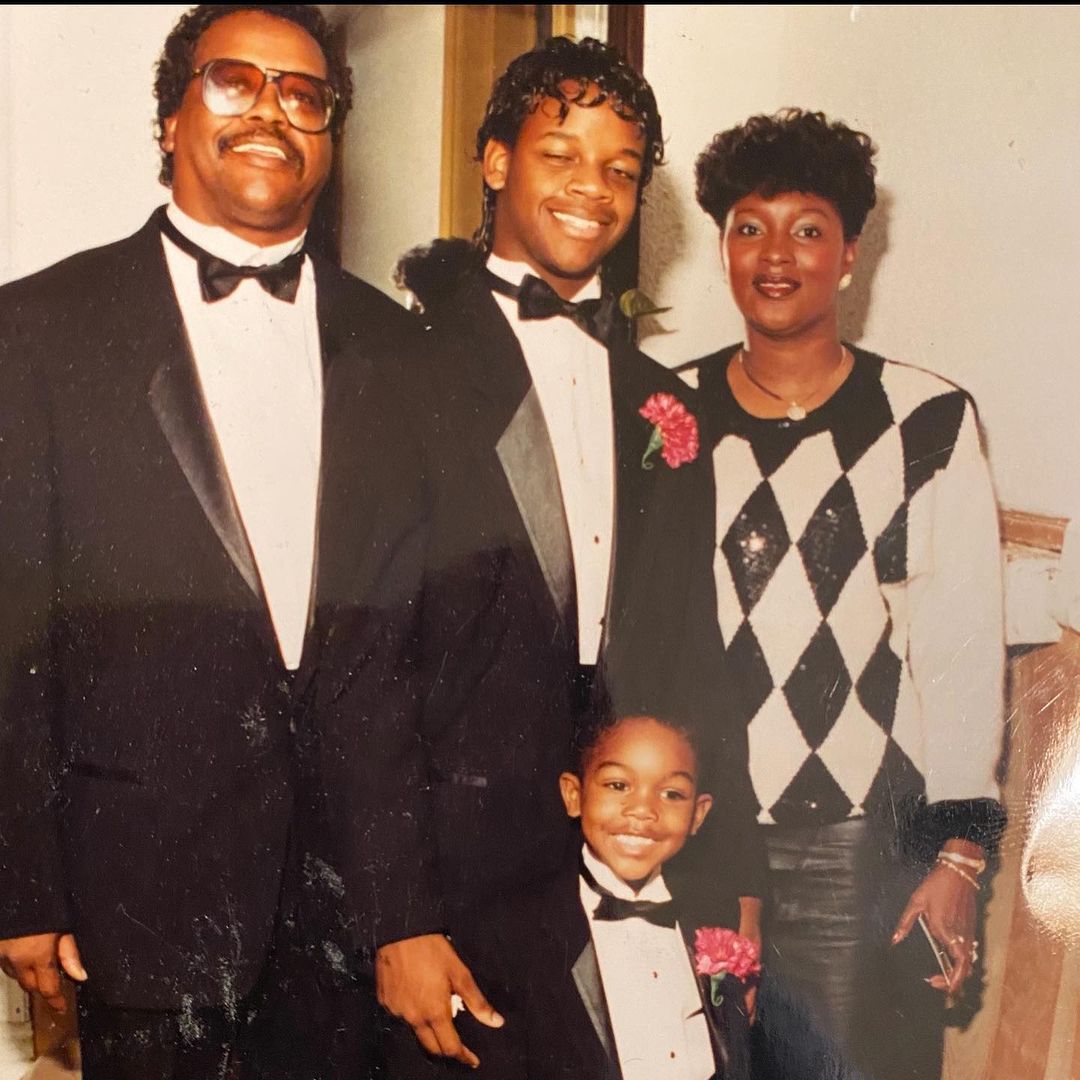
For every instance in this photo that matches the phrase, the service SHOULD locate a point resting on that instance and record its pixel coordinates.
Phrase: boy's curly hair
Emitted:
(567, 71)
(793, 150)
(177, 61)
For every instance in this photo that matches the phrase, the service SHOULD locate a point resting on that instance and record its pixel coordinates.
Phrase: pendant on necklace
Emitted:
(796, 411)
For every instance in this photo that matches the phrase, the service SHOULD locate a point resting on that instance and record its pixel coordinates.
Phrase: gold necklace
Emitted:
(795, 409)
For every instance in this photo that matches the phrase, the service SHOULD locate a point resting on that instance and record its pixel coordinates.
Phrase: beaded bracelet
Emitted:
(978, 865)
(957, 870)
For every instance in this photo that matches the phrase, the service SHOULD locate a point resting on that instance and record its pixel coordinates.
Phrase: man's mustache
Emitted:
(269, 135)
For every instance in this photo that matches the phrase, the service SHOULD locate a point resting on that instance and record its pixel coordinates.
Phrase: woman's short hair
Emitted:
(793, 150)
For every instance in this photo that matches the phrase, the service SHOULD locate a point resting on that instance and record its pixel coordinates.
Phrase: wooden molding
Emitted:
(1033, 530)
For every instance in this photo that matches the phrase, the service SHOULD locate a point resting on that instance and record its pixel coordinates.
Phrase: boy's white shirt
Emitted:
(570, 372)
(652, 996)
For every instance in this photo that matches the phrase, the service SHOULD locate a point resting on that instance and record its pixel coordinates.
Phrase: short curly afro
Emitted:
(177, 61)
(793, 150)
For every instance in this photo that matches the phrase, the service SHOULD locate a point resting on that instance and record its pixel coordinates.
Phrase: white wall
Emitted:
(972, 262)
(393, 141)
(79, 164)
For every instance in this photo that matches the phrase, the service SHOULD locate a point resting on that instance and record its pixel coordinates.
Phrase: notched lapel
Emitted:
(177, 402)
(527, 459)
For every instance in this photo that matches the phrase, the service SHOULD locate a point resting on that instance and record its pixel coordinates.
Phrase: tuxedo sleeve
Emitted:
(33, 897)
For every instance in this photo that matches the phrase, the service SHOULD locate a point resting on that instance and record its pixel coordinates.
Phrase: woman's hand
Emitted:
(947, 900)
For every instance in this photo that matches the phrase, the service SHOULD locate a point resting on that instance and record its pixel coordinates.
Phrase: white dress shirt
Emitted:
(570, 372)
(652, 995)
(259, 363)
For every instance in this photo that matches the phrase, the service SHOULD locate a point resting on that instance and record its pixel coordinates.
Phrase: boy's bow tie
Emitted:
(536, 299)
(218, 278)
(613, 908)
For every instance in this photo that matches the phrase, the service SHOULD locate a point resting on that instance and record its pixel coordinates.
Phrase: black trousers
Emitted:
(838, 1001)
(303, 1021)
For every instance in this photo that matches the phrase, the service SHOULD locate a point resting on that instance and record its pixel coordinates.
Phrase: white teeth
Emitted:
(583, 226)
(630, 840)
(259, 148)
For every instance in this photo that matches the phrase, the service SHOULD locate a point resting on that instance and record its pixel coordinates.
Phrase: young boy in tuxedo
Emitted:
(592, 968)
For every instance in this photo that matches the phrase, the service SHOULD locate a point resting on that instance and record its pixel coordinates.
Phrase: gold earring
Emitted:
(845, 281)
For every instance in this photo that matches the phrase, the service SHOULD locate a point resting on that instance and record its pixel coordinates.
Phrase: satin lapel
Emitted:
(528, 461)
(586, 975)
(177, 402)
(496, 367)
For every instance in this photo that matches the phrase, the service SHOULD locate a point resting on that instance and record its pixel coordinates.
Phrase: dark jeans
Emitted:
(838, 1001)
(297, 1024)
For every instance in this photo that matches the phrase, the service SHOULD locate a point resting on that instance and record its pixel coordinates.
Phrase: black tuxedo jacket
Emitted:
(499, 611)
(157, 759)
(535, 958)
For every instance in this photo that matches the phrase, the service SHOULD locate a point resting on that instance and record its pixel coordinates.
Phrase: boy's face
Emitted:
(638, 799)
(567, 191)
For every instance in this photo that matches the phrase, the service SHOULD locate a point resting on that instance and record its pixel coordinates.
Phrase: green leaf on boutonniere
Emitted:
(636, 304)
(716, 983)
(656, 442)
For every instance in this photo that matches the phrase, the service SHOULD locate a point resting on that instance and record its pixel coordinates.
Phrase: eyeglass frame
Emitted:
(274, 77)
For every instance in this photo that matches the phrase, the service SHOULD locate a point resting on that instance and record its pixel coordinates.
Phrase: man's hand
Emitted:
(750, 927)
(35, 963)
(415, 979)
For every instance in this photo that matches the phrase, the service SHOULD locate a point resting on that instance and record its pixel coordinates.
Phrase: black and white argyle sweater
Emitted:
(858, 574)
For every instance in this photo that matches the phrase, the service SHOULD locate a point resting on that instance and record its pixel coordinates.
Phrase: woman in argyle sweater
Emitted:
(859, 588)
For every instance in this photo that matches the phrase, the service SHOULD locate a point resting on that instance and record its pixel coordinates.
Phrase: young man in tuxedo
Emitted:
(208, 497)
(574, 542)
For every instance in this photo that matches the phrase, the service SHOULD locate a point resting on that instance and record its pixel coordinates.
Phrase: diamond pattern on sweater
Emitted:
(748, 661)
(818, 687)
(814, 795)
(853, 751)
(797, 499)
(777, 750)
(879, 683)
(897, 781)
(814, 549)
(788, 602)
(832, 544)
(755, 545)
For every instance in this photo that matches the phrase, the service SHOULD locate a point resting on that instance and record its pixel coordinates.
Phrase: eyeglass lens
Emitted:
(231, 87)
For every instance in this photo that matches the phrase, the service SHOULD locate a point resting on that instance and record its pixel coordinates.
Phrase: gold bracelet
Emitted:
(978, 865)
(963, 873)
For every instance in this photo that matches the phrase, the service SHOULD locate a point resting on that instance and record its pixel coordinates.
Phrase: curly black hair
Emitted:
(176, 63)
(567, 71)
(793, 150)
(597, 724)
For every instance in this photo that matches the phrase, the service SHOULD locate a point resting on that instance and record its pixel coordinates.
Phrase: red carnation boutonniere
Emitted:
(719, 952)
(674, 433)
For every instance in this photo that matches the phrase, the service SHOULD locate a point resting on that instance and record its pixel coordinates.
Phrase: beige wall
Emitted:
(972, 262)
(393, 141)
(79, 162)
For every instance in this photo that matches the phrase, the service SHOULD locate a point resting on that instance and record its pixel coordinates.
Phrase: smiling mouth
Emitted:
(580, 228)
(776, 288)
(634, 843)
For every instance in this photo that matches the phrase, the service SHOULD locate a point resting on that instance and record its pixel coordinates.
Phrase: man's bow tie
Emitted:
(613, 908)
(218, 278)
(536, 299)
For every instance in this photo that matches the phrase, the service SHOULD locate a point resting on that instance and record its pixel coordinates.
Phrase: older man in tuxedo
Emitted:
(207, 499)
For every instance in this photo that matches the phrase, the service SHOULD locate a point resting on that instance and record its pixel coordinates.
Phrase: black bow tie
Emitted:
(613, 908)
(536, 299)
(218, 278)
